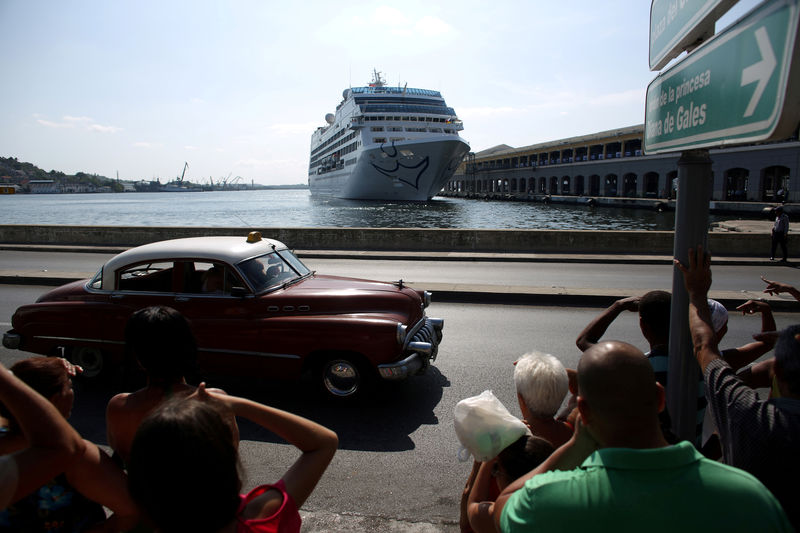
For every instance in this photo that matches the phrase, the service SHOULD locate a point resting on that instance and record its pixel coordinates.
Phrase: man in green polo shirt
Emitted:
(618, 473)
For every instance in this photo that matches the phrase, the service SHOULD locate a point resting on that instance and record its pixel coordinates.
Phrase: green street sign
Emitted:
(741, 86)
(677, 24)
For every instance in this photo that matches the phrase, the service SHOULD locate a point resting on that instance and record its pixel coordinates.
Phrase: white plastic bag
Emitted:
(485, 427)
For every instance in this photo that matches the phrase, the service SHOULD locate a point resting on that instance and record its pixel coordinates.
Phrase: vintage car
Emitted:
(255, 310)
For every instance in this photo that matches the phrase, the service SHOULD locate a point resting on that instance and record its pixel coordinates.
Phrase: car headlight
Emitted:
(402, 331)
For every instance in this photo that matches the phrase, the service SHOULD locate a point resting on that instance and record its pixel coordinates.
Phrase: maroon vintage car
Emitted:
(255, 310)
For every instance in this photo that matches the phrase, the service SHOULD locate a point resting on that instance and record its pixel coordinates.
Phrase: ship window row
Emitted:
(316, 155)
(415, 130)
(390, 108)
(381, 118)
(395, 90)
(327, 143)
(400, 101)
(331, 161)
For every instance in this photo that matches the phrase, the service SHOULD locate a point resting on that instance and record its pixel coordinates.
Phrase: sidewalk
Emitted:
(455, 292)
(316, 521)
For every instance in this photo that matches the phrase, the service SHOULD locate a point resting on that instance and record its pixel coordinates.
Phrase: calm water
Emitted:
(296, 208)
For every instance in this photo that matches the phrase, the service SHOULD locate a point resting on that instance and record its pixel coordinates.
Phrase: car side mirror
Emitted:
(239, 292)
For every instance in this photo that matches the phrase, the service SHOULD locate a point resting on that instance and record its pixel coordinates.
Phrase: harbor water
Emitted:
(293, 208)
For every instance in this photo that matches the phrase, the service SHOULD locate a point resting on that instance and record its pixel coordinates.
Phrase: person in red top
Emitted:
(184, 467)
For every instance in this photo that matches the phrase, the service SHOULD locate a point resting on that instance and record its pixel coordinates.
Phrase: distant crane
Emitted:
(185, 166)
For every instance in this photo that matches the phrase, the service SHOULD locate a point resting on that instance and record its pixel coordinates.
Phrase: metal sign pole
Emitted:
(691, 229)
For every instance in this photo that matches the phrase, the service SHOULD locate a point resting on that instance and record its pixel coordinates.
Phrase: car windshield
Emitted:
(273, 269)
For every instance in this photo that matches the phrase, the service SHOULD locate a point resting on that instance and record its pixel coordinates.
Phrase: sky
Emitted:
(236, 88)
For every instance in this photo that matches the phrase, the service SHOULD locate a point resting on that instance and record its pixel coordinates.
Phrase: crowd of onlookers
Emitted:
(620, 465)
(597, 448)
(175, 464)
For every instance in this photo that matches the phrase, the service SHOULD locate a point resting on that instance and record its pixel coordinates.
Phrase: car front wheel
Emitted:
(342, 377)
(90, 359)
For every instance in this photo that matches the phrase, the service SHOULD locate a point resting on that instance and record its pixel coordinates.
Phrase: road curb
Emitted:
(497, 294)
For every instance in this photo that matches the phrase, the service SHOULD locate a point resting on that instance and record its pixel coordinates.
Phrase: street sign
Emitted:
(741, 86)
(677, 24)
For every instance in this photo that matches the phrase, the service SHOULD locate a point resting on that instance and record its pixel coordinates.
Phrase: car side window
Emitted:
(267, 271)
(212, 278)
(146, 277)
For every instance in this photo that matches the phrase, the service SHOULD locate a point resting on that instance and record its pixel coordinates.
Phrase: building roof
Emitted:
(600, 137)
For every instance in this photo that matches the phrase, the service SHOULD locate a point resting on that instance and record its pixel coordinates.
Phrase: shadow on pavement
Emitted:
(381, 421)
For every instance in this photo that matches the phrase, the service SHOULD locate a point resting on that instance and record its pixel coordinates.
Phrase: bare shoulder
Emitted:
(264, 505)
(118, 401)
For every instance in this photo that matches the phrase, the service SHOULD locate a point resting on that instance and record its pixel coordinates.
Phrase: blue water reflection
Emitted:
(296, 208)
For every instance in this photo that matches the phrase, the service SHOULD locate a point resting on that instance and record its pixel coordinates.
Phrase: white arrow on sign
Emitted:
(760, 71)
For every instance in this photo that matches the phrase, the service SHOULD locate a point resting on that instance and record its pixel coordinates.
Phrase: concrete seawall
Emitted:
(402, 239)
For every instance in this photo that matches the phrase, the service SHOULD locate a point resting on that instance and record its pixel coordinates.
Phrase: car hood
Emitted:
(65, 292)
(350, 295)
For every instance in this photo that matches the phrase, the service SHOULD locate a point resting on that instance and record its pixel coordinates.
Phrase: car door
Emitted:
(219, 307)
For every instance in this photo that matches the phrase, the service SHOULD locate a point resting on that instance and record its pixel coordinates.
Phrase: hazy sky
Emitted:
(236, 88)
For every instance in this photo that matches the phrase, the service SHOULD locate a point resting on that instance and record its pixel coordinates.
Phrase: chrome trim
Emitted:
(77, 339)
(401, 369)
(412, 330)
(427, 296)
(402, 331)
(425, 337)
(424, 348)
(258, 354)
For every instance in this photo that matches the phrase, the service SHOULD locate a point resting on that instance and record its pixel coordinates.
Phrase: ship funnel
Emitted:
(329, 118)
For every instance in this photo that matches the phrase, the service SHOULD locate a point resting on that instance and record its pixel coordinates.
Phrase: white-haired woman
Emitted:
(542, 383)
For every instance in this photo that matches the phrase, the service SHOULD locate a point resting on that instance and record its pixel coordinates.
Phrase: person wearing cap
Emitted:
(761, 436)
(780, 230)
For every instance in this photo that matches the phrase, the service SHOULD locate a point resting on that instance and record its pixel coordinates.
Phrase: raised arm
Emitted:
(463, 519)
(52, 442)
(317, 443)
(592, 333)
(99, 479)
(776, 287)
(697, 279)
(744, 355)
(480, 510)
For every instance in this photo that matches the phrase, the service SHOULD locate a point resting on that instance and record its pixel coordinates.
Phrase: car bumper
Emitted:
(11, 340)
(401, 369)
(424, 343)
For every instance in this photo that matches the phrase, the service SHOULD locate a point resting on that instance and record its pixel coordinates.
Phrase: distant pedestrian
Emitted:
(780, 230)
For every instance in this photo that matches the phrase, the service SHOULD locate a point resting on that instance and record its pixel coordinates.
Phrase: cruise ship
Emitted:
(386, 143)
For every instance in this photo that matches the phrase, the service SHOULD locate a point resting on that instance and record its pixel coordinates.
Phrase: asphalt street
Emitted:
(396, 469)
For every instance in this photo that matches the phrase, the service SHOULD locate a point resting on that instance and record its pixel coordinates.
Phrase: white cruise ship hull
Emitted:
(403, 171)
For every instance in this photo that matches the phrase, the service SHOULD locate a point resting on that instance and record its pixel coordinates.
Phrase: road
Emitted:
(396, 469)
(568, 276)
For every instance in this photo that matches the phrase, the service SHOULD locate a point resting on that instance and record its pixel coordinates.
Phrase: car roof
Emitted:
(229, 249)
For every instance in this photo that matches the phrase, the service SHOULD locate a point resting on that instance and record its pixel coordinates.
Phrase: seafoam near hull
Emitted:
(409, 171)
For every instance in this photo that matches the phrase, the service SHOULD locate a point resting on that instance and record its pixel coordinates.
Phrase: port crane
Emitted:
(185, 166)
